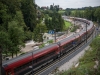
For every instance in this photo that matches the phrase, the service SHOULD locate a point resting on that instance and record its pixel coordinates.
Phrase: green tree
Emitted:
(97, 14)
(51, 7)
(4, 16)
(38, 32)
(57, 22)
(47, 22)
(4, 42)
(13, 6)
(29, 12)
(19, 18)
(68, 13)
(88, 13)
(56, 8)
(16, 35)
(13, 26)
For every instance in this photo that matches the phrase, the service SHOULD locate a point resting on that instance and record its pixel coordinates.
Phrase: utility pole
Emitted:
(74, 22)
(86, 32)
(55, 35)
(0, 60)
(32, 64)
(32, 72)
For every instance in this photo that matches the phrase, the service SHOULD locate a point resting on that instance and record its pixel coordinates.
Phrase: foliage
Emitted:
(4, 41)
(88, 13)
(41, 46)
(74, 28)
(62, 12)
(4, 16)
(28, 35)
(16, 35)
(55, 23)
(91, 13)
(38, 32)
(12, 26)
(96, 43)
(97, 14)
(50, 41)
(29, 12)
(67, 25)
(54, 8)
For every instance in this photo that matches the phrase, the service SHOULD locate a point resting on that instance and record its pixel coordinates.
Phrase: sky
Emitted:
(68, 3)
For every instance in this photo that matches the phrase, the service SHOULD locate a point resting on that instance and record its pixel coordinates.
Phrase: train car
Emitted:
(91, 29)
(70, 43)
(21, 65)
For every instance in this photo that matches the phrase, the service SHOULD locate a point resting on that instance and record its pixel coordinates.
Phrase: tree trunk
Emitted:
(0, 60)
(16, 53)
(12, 54)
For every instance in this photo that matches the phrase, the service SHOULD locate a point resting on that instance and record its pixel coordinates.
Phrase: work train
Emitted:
(38, 58)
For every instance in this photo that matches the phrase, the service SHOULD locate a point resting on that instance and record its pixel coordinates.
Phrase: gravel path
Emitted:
(28, 46)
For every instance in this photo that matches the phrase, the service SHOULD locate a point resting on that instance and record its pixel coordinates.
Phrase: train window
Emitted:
(23, 66)
(76, 41)
(67, 46)
(34, 61)
(45, 56)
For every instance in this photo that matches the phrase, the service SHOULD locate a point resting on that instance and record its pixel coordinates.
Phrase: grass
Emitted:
(61, 11)
(67, 25)
(83, 68)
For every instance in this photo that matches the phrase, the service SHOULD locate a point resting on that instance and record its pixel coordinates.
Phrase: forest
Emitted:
(23, 20)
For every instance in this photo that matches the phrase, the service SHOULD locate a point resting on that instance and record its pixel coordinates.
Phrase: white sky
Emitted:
(68, 3)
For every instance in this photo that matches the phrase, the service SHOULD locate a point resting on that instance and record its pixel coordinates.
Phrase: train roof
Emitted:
(29, 54)
(76, 35)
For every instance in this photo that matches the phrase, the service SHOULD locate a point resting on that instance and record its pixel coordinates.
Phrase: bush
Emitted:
(41, 46)
(50, 41)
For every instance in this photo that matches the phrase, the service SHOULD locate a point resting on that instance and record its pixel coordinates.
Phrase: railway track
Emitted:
(45, 60)
(51, 64)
